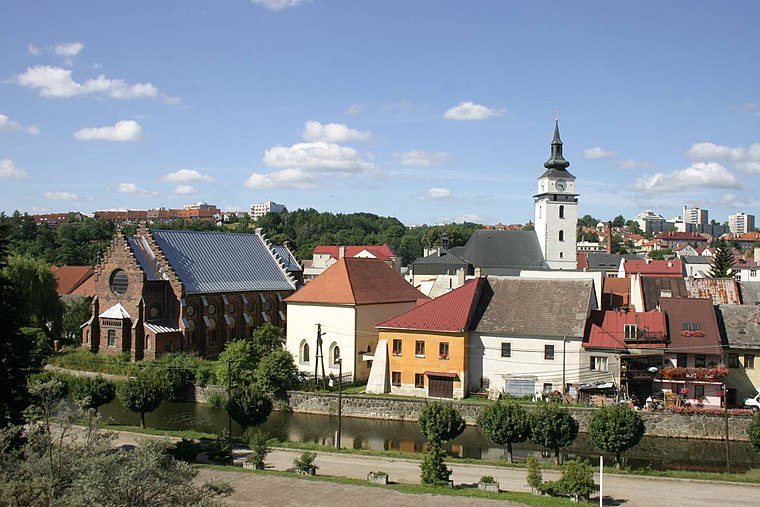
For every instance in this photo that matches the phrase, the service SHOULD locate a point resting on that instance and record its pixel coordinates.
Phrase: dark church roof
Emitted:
(208, 262)
(502, 253)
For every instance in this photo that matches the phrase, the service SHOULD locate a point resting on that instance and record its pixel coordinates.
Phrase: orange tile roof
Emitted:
(69, 278)
(357, 281)
(86, 289)
(449, 312)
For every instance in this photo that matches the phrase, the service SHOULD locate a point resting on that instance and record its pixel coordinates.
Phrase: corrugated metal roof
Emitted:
(290, 262)
(450, 312)
(720, 290)
(116, 312)
(209, 262)
(146, 258)
(161, 326)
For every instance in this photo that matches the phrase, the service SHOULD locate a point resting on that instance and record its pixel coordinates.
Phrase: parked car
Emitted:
(753, 403)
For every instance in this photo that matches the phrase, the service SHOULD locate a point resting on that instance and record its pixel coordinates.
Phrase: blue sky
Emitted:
(430, 111)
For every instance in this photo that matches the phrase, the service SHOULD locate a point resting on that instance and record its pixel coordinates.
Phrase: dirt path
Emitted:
(630, 491)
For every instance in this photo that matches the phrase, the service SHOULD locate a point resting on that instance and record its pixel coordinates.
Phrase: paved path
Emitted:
(629, 491)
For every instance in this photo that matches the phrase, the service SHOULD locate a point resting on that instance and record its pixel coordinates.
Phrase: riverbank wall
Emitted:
(658, 424)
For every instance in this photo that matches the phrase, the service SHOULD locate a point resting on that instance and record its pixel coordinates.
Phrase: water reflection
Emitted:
(406, 436)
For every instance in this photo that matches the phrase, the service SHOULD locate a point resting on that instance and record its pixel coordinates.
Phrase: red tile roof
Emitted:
(681, 236)
(68, 278)
(86, 289)
(449, 312)
(581, 260)
(607, 330)
(672, 268)
(357, 281)
(380, 252)
(691, 310)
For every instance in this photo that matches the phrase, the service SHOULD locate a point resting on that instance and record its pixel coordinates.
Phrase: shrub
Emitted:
(487, 479)
(753, 432)
(577, 481)
(535, 478)
(92, 393)
(305, 461)
(433, 466)
(616, 428)
(174, 373)
(258, 441)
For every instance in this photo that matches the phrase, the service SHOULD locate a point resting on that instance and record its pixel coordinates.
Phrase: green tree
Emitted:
(440, 421)
(267, 339)
(248, 406)
(588, 221)
(236, 363)
(276, 372)
(633, 227)
(616, 428)
(723, 260)
(15, 353)
(174, 373)
(505, 423)
(75, 313)
(140, 395)
(433, 470)
(753, 432)
(553, 426)
(37, 292)
(92, 393)
(618, 221)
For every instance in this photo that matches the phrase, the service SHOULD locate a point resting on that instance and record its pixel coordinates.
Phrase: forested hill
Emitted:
(77, 243)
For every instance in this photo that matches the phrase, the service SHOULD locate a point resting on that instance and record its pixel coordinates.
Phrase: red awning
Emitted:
(441, 374)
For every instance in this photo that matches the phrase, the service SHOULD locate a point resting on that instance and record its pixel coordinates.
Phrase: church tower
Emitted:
(556, 209)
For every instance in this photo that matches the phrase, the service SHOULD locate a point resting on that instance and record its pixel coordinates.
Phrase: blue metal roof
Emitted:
(291, 264)
(208, 262)
(146, 258)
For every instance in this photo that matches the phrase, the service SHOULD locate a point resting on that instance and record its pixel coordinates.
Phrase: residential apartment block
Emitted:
(741, 223)
(261, 209)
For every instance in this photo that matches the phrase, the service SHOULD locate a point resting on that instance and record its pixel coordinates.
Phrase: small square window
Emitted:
(700, 361)
(549, 352)
(749, 361)
(506, 349)
(699, 391)
(111, 337)
(396, 378)
(396, 347)
(631, 332)
(443, 350)
(419, 380)
(733, 361)
(419, 348)
(682, 360)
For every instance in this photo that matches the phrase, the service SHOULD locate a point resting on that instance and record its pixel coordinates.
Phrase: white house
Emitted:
(529, 338)
(344, 304)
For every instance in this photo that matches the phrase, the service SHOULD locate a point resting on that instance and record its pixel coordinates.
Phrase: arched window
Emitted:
(335, 354)
(562, 235)
(304, 352)
(561, 255)
(562, 211)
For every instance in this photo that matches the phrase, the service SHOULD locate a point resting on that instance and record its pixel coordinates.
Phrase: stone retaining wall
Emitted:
(658, 424)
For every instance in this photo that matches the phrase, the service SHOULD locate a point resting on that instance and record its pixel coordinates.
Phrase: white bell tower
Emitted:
(556, 209)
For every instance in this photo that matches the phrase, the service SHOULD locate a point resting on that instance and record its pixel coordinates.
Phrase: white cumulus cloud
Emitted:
(125, 130)
(436, 193)
(315, 131)
(418, 158)
(276, 5)
(698, 175)
(317, 157)
(712, 151)
(186, 175)
(9, 170)
(634, 164)
(131, 188)
(184, 189)
(8, 125)
(287, 178)
(68, 49)
(57, 82)
(61, 196)
(471, 111)
(597, 153)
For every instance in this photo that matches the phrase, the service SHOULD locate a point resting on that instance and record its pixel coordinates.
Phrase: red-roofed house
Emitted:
(69, 278)
(691, 366)
(428, 353)
(675, 239)
(672, 268)
(345, 302)
(326, 256)
(622, 347)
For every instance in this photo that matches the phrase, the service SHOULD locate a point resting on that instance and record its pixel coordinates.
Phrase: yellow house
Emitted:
(427, 345)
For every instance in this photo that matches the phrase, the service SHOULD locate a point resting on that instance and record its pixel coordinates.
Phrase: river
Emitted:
(357, 433)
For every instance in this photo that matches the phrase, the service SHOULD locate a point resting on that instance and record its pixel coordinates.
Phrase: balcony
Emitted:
(716, 374)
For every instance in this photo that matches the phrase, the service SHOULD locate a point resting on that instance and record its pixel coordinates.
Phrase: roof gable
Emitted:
(450, 312)
(535, 307)
(382, 252)
(357, 281)
(117, 311)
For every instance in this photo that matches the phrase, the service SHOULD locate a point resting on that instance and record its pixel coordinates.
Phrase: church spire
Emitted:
(557, 161)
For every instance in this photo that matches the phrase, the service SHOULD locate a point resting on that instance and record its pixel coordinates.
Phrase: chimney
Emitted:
(341, 252)
(670, 264)
(647, 260)
(460, 277)
(609, 237)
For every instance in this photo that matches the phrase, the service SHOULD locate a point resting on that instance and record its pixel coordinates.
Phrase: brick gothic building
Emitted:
(170, 291)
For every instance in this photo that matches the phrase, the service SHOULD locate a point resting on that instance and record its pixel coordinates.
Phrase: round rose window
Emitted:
(119, 282)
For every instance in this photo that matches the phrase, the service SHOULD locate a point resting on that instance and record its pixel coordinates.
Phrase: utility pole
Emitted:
(725, 416)
(229, 393)
(340, 400)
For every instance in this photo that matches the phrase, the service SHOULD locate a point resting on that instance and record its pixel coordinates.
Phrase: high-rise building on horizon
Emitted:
(741, 223)
(261, 209)
(695, 215)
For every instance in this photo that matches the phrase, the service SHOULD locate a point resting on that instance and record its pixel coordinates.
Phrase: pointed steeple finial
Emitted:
(557, 161)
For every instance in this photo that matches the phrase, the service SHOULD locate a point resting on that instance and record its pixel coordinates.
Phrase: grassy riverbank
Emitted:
(750, 477)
